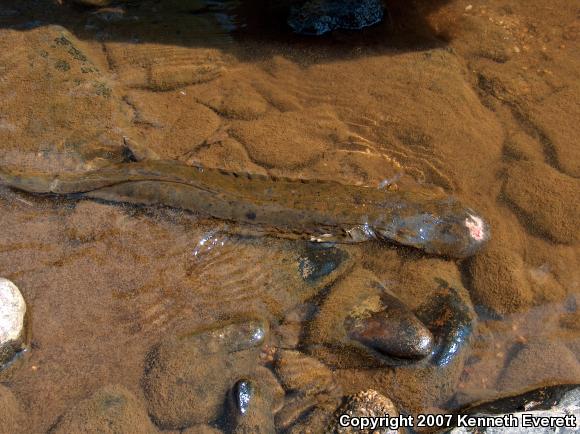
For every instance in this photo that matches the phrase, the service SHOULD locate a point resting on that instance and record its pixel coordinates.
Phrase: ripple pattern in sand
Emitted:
(224, 275)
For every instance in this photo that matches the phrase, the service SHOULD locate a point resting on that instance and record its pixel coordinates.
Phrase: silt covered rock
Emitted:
(112, 409)
(187, 378)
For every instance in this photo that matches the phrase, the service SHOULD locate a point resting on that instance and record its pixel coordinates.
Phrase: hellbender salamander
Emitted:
(315, 210)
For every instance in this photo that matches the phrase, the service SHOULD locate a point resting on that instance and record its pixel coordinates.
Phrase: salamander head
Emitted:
(460, 236)
(454, 232)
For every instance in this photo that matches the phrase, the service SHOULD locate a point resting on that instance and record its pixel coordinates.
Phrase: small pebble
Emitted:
(243, 392)
(251, 408)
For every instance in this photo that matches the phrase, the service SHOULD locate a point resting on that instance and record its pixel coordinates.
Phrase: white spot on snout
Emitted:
(476, 227)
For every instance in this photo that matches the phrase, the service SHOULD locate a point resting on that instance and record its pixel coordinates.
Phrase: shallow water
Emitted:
(475, 98)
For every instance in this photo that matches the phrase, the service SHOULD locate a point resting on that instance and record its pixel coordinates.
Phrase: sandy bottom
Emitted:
(478, 98)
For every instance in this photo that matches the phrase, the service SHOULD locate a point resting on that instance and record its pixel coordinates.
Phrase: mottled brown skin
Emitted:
(317, 210)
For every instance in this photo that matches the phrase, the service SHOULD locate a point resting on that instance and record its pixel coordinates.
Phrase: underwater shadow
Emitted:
(248, 29)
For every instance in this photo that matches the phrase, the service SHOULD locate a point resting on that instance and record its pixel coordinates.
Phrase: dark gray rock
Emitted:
(450, 319)
(316, 17)
(319, 260)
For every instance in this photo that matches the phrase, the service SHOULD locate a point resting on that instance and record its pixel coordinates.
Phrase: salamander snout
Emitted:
(459, 235)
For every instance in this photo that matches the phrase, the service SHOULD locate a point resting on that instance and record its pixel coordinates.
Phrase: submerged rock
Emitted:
(242, 393)
(299, 372)
(386, 325)
(529, 184)
(187, 378)
(539, 363)
(316, 17)
(312, 132)
(498, 281)
(12, 321)
(433, 290)
(77, 127)
(250, 409)
(368, 403)
(363, 322)
(112, 409)
(310, 385)
(234, 99)
(450, 319)
(319, 260)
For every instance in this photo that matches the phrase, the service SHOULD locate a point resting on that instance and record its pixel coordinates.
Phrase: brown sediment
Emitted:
(12, 415)
(480, 103)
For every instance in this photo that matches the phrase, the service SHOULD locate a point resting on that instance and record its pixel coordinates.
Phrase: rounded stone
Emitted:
(529, 184)
(369, 325)
(12, 321)
(540, 363)
(112, 409)
(187, 378)
(310, 132)
(242, 393)
(560, 401)
(368, 403)
(390, 328)
(250, 408)
(181, 124)
(435, 293)
(234, 100)
(498, 281)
